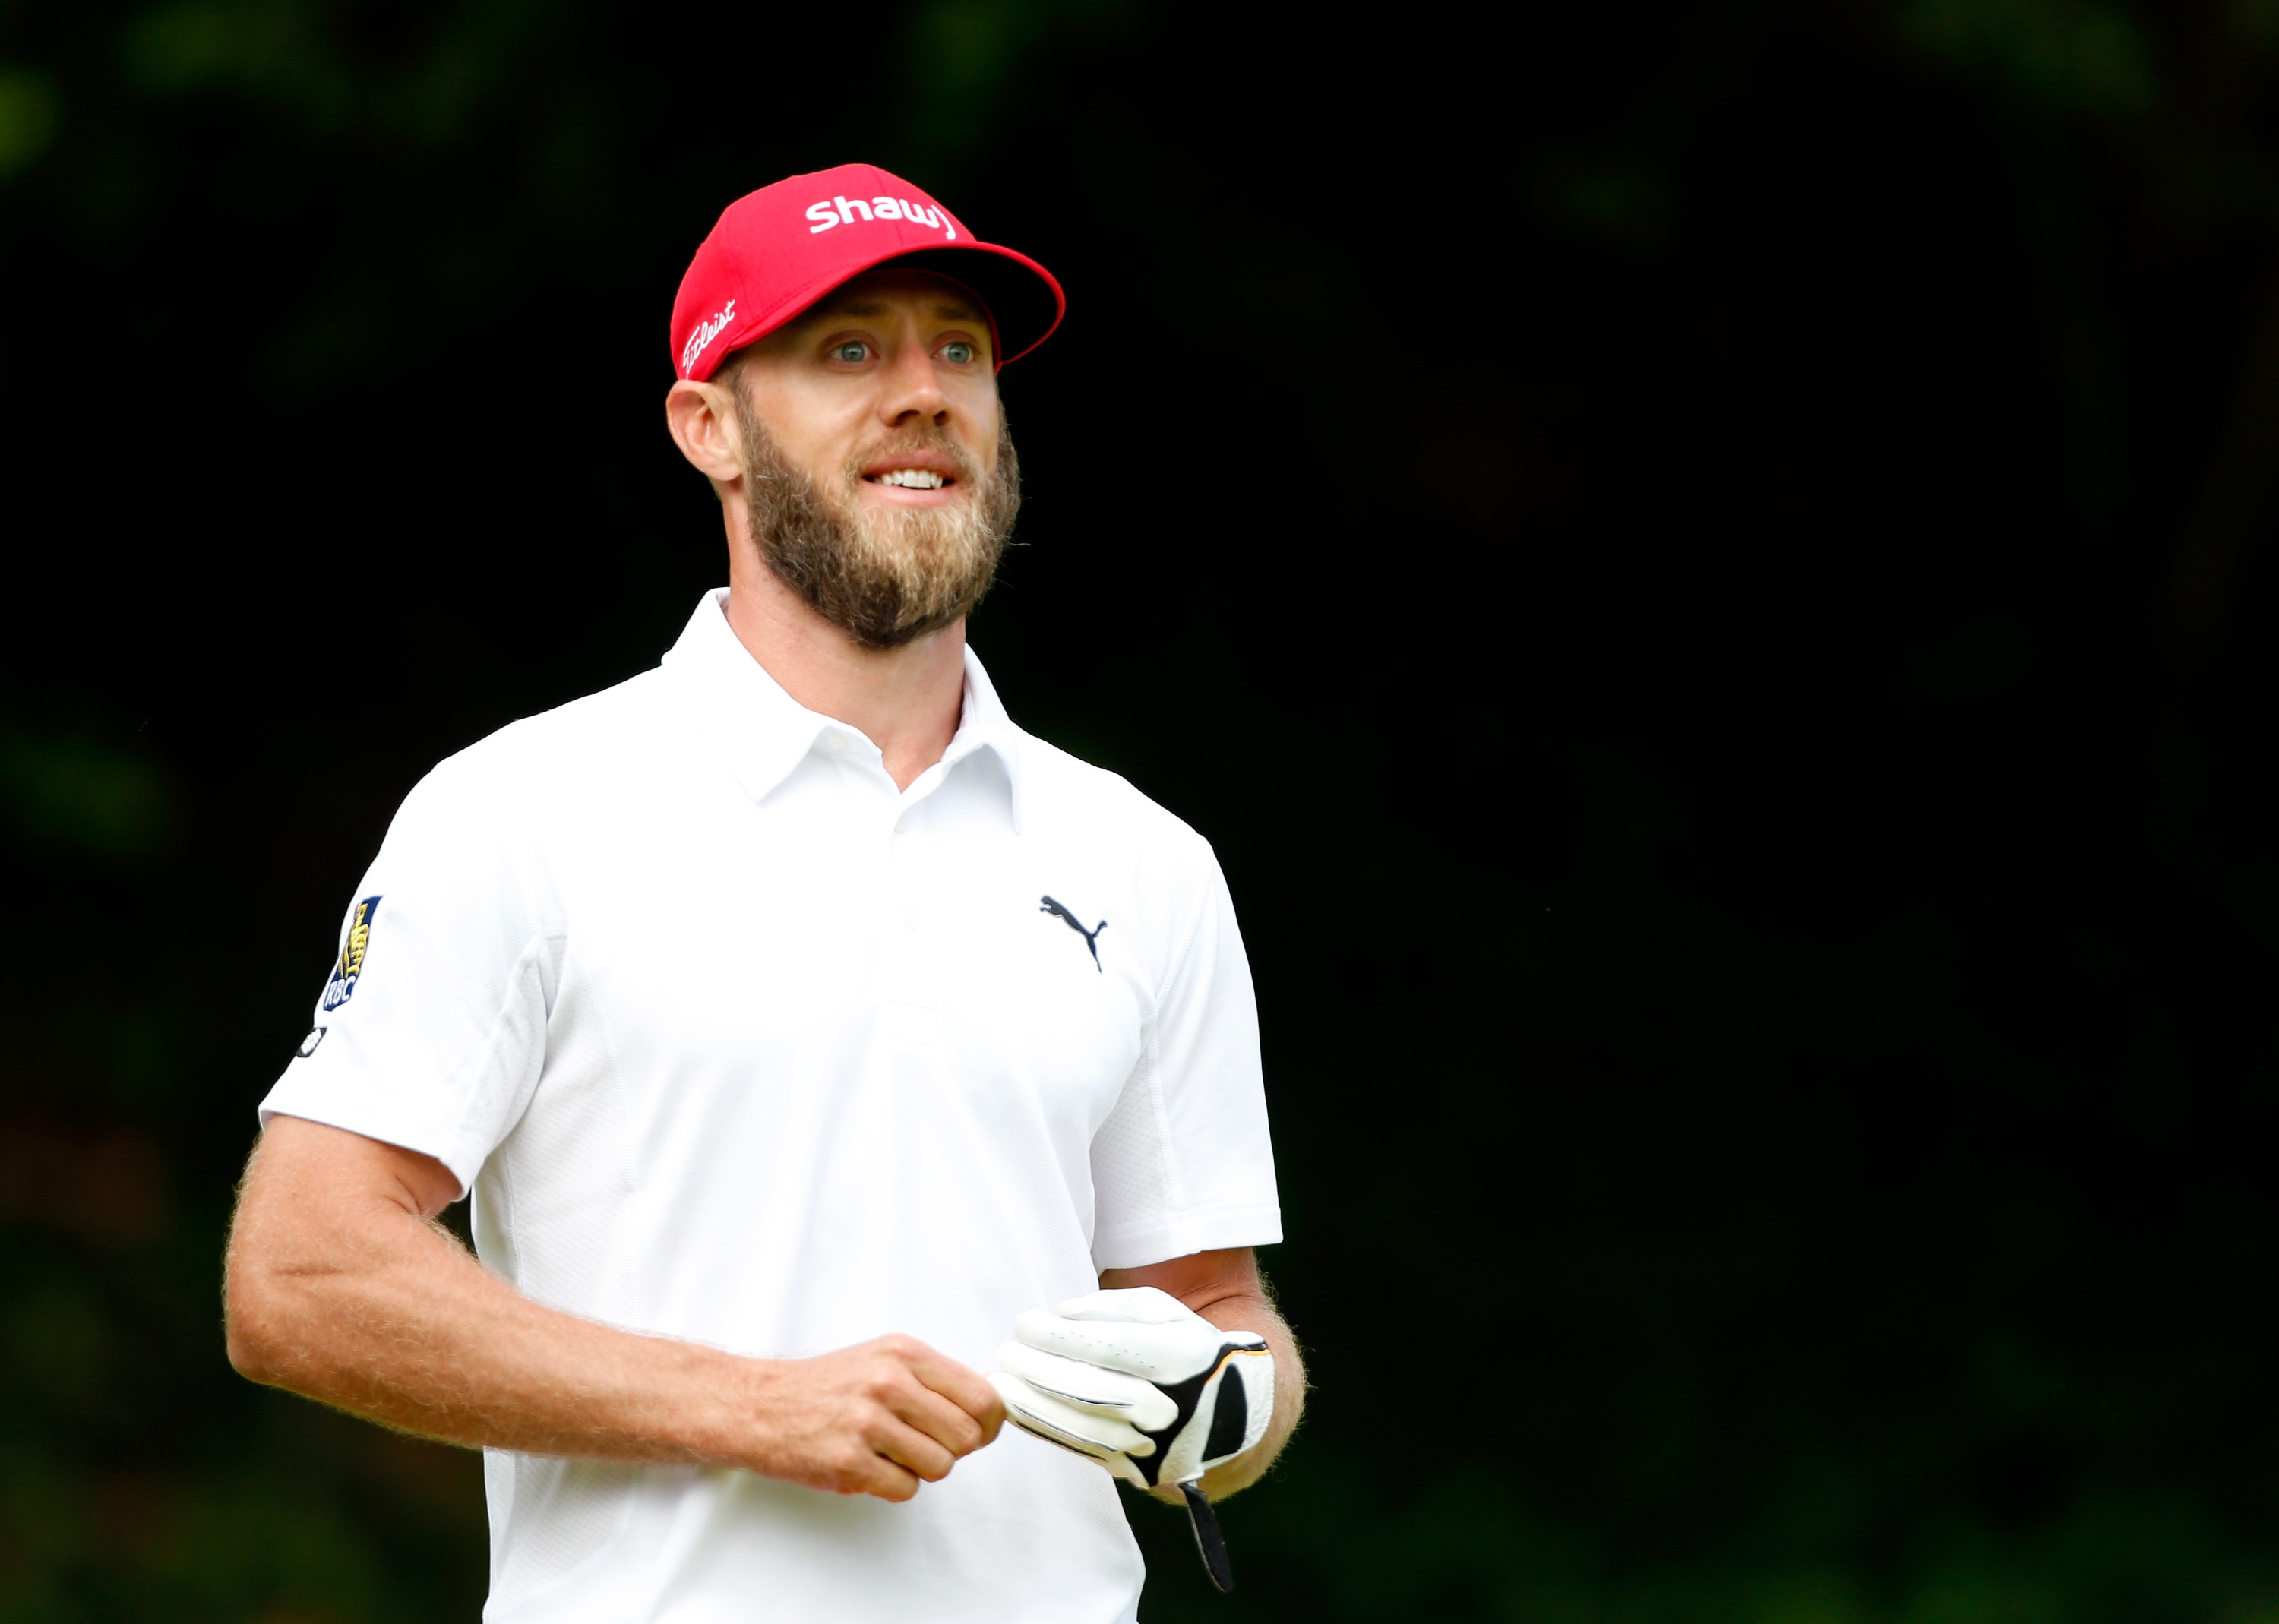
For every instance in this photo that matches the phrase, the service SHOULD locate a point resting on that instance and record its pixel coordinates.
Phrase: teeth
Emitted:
(916, 478)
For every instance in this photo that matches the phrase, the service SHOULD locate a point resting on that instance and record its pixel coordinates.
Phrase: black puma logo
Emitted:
(1091, 936)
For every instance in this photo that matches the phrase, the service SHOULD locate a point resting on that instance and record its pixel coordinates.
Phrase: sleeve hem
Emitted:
(1158, 1240)
(398, 1128)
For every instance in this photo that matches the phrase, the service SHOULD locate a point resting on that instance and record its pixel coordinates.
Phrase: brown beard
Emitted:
(883, 578)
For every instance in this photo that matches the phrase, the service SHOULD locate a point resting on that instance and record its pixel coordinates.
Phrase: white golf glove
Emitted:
(1139, 1382)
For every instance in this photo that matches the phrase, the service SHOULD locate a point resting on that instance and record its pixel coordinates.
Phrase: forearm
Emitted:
(409, 1330)
(415, 1333)
(341, 1289)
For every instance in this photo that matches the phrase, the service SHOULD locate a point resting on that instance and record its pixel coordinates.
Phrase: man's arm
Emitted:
(1225, 1289)
(341, 1287)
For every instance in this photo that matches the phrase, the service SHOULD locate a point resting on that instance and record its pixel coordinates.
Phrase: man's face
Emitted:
(881, 483)
(890, 353)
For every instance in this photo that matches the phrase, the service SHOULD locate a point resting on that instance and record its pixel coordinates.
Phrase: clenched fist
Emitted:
(878, 1418)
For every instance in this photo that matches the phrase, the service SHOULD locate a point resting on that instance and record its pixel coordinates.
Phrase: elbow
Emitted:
(251, 1357)
(246, 1331)
(256, 1324)
(248, 1358)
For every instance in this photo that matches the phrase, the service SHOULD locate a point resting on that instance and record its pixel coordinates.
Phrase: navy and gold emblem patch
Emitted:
(342, 986)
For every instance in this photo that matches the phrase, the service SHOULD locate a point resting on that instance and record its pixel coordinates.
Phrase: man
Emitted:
(801, 1029)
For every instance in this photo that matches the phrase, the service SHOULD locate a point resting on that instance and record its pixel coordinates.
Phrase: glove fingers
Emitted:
(1158, 1352)
(1062, 1423)
(1024, 1408)
(1089, 1387)
(1020, 1406)
(1132, 1305)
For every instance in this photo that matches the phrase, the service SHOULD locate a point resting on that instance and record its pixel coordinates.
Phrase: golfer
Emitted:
(834, 1068)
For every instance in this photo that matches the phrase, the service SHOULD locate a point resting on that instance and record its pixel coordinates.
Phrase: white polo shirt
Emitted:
(735, 1042)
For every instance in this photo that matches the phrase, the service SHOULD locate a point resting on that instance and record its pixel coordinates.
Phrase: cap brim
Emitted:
(1025, 299)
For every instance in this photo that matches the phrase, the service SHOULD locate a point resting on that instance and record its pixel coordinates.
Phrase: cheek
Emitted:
(816, 417)
(979, 421)
(820, 437)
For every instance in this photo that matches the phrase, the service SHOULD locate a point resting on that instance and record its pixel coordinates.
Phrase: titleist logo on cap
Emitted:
(700, 340)
(841, 211)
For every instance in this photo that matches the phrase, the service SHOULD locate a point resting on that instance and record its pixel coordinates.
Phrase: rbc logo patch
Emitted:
(342, 987)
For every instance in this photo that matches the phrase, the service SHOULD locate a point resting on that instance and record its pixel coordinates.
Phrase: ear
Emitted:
(701, 418)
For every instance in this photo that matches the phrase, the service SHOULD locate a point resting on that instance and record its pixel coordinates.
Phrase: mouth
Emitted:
(922, 476)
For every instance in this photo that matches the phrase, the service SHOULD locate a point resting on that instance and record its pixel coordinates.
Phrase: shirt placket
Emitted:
(910, 987)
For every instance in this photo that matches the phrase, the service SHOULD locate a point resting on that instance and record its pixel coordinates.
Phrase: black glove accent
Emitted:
(1230, 1418)
(1186, 1395)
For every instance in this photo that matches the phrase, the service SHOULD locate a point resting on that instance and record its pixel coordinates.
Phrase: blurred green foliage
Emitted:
(1705, 566)
(2069, 57)
(76, 793)
(27, 117)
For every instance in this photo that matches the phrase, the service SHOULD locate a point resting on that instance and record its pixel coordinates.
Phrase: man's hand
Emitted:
(876, 1418)
(1139, 1382)
(1225, 1287)
(1177, 1377)
(343, 1289)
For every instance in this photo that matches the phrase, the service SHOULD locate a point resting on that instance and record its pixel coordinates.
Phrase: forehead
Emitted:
(877, 293)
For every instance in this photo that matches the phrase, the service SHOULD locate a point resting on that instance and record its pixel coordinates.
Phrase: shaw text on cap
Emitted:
(841, 212)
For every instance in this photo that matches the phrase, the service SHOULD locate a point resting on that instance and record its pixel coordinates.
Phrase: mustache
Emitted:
(963, 465)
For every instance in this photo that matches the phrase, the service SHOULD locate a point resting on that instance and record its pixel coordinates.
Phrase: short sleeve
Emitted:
(1184, 1162)
(431, 1029)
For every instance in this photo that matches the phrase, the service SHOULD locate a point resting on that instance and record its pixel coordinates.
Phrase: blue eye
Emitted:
(957, 352)
(851, 351)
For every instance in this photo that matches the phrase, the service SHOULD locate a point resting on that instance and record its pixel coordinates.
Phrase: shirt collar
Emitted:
(762, 732)
(983, 724)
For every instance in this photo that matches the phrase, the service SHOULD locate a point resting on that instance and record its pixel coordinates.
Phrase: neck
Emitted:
(906, 700)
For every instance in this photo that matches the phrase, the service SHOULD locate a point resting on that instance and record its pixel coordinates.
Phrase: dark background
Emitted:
(1702, 565)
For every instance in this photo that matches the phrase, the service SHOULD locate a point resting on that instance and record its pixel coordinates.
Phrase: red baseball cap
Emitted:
(777, 251)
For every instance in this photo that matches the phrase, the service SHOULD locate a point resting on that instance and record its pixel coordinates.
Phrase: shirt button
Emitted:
(902, 823)
(910, 917)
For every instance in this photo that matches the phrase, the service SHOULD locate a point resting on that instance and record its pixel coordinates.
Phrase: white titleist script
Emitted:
(700, 340)
(842, 210)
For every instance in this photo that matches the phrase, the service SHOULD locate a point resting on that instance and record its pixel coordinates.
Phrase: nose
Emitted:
(913, 393)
